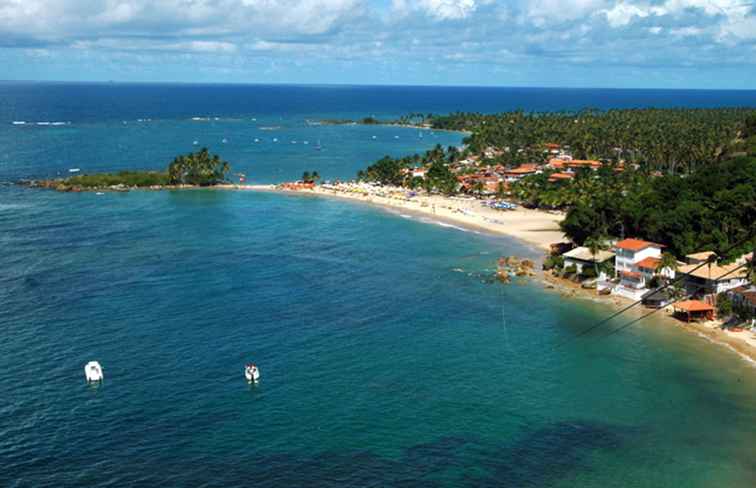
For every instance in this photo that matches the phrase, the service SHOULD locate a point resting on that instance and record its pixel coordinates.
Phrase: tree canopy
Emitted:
(200, 168)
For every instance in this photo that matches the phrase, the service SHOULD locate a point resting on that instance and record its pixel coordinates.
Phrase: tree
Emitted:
(198, 168)
(724, 305)
(596, 244)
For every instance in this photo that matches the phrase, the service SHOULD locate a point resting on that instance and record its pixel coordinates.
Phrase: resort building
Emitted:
(556, 177)
(581, 257)
(636, 263)
(419, 172)
(521, 171)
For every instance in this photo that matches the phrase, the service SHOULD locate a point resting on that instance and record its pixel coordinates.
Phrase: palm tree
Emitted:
(596, 244)
(668, 261)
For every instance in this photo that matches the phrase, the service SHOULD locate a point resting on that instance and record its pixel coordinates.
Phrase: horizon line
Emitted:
(367, 85)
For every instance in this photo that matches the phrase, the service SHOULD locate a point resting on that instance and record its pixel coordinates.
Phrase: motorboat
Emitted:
(251, 372)
(93, 371)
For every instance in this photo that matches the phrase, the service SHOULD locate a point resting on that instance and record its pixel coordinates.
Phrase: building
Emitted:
(520, 172)
(419, 172)
(712, 278)
(636, 263)
(693, 310)
(580, 257)
(557, 177)
(744, 297)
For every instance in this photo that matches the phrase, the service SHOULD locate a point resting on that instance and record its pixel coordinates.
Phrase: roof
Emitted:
(522, 169)
(556, 163)
(561, 176)
(630, 274)
(714, 271)
(693, 306)
(580, 163)
(584, 254)
(701, 256)
(635, 244)
(649, 263)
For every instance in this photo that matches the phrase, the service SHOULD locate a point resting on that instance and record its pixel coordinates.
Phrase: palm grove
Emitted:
(687, 178)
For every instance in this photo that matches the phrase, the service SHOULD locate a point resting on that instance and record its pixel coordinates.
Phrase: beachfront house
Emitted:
(712, 278)
(419, 172)
(635, 264)
(581, 258)
(744, 298)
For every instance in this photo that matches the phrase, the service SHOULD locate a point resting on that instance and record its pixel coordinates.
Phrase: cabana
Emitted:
(693, 310)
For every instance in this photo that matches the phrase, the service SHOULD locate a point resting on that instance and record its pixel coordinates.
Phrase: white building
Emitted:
(581, 257)
(635, 265)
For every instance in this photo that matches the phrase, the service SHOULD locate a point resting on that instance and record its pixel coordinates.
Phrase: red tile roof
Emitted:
(649, 263)
(630, 274)
(693, 306)
(635, 244)
(560, 176)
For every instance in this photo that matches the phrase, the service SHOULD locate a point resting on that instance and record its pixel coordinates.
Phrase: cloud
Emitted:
(397, 36)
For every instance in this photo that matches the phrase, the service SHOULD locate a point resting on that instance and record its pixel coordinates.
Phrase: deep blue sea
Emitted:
(386, 357)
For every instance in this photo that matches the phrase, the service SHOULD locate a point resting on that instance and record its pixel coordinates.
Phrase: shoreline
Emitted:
(536, 229)
(738, 342)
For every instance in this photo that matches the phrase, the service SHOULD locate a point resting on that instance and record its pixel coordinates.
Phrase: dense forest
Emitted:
(668, 140)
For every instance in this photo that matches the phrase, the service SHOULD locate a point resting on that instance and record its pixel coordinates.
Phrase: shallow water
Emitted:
(387, 357)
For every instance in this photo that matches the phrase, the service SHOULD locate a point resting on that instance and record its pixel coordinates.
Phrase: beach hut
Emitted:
(693, 310)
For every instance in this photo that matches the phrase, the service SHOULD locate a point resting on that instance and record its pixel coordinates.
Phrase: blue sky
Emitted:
(574, 43)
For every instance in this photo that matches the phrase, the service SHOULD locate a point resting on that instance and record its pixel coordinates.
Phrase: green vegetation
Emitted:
(397, 172)
(308, 177)
(124, 178)
(198, 168)
(668, 140)
(713, 208)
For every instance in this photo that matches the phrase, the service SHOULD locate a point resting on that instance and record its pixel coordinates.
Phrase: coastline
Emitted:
(536, 228)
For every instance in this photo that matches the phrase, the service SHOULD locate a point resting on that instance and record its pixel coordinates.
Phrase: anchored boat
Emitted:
(251, 372)
(93, 371)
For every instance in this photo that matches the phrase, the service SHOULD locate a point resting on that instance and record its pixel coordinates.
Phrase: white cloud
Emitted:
(439, 9)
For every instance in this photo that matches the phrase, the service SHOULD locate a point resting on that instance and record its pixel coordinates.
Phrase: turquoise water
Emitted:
(387, 358)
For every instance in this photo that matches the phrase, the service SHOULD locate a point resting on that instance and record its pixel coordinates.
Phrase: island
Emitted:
(198, 169)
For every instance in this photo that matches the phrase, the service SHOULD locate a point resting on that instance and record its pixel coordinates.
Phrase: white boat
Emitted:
(251, 372)
(74, 170)
(224, 140)
(93, 371)
(195, 143)
(275, 140)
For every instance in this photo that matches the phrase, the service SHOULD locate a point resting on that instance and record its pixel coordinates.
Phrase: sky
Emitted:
(566, 43)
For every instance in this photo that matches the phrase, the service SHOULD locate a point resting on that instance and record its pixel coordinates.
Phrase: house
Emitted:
(557, 177)
(419, 172)
(581, 257)
(712, 278)
(635, 264)
(693, 310)
(576, 164)
(744, 297)
(520, 172)
(699, 257)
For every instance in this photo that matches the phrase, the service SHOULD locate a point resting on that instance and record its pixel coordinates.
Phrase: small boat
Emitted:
(93, 372)
(275, 139)
(224, 140)
(305, 142)
(74, 170)
(257, 140)
(251, 372)
(374, 137)
(195, 143)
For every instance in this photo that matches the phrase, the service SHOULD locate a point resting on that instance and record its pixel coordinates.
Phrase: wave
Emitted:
(745, 357)
(42, 123)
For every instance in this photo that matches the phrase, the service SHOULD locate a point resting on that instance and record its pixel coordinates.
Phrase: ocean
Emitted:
(388, 358)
